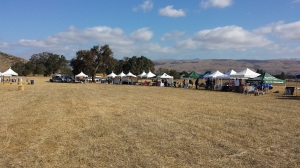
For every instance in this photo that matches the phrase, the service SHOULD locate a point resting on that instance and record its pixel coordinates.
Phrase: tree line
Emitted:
(98, 59)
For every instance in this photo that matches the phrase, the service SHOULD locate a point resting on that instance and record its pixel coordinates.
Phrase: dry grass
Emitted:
(100, 125)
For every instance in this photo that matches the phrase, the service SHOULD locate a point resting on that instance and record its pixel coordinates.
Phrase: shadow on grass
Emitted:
(290, 97)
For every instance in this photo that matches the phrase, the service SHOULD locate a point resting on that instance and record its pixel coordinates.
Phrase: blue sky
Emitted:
(157, 29)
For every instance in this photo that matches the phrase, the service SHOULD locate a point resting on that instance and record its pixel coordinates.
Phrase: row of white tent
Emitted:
(142, 75)
(231, 74)
(9, 72)
(130, 75)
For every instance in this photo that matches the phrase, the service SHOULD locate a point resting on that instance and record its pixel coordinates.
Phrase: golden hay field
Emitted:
(101, 125)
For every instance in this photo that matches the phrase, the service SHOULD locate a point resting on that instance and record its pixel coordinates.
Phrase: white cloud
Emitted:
(32, 43)
(289, 31)
(216, 3)
(173, 44)
(296, 1)
(143, 34)
(175, 35)
(72, 40)
(171, 12)
(146, 6)
(4, 45)
(229, 37)
(76, 39)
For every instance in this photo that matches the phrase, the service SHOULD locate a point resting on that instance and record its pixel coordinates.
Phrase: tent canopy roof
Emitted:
(165, 76)
(245, 74)
(227, 74)
(130, 75)
(193, 74)
(142, 74)
(9, 72)
(149, 75)
(214, 75)
(267, 78)
(112, 75)
(121, 75)
(81, 74)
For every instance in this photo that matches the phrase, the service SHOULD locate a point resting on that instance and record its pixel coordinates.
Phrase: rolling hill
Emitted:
(7, 60)
(288, 66)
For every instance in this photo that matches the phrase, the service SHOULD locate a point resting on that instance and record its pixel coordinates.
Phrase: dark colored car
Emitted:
(62, 78)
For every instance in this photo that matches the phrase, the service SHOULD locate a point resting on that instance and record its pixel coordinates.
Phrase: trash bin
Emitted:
(32, 82)
(289, 90)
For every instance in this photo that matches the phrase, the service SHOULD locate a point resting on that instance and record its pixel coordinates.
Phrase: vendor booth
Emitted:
(166, 80)
(9, 73)
(81, 77)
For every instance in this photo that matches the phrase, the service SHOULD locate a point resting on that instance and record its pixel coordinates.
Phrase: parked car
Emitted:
(61, 78)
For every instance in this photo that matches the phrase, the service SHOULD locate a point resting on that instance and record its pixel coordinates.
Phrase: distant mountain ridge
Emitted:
(276, 66)
(7, 60)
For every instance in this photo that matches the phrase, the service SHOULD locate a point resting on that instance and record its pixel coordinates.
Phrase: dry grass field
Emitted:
(101, 125)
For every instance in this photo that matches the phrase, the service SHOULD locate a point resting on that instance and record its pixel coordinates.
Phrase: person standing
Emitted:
(197, 83)
(236, 84)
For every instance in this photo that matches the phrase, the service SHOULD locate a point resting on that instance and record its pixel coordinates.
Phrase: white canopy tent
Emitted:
(166, 79)
(81, 77)
(130, 75)
(149, 75)
(214, 74)
(81, 74)
(227, 74)
(142, 74)
(118, 78)
(121, 75)
(112, 75)
(165, 76)
(245, 74)
(9, 72)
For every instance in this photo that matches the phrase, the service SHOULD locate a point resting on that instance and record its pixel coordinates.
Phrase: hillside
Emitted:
(288, 66)
(7, 60)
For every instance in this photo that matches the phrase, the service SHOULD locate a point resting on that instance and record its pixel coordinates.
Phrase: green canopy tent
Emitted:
(193, 74)
(267, 78)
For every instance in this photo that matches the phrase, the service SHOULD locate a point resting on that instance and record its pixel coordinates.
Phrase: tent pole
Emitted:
(296, 87)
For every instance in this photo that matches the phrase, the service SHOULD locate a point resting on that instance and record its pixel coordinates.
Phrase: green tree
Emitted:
(135, 65)
(54, 63)
(183, 73)
(46, 63)
(260, 71)
(97, 59)
(174, 73)
(282, 76)
(19, 67)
